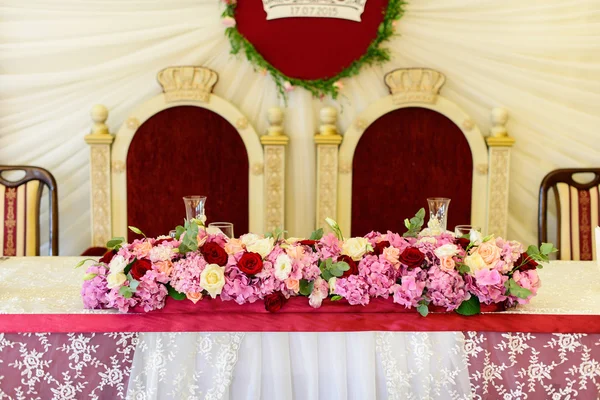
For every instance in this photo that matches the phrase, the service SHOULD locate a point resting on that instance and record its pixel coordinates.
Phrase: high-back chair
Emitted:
(185, 141)
(20, 207)
(577, 211)
(407, 146)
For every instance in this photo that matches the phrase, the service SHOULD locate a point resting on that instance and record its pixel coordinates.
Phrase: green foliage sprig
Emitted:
(375, 54)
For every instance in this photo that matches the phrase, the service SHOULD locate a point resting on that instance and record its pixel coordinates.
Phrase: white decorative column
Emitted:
(327, 140)
(499, 145)
(274, 144)
(100, 141)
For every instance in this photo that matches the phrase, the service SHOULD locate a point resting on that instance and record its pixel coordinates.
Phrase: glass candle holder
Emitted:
(194, 207)
(225, 227)
(438, 212)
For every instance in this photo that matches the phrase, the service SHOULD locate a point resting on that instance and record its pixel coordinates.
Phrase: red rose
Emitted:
(307, 242)
(353, 270)
(463, 242)
(526, 262)
(378, 249)
(250, 263)
(108, 256)
(275, 301)
(214, 254)
(139, 268)
(412, 257)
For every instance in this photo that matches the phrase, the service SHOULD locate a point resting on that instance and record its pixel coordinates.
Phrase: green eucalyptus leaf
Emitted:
(133, 284)
(115, 243)
(464, 269)
(423, 309)
(532, 251)
(469, 307)
(128, 266)
(336, 298)
(516, 290)
(126, 292)
(317, 235)
(326, 274)
(547, 248)
(174, 293)
(306, 287)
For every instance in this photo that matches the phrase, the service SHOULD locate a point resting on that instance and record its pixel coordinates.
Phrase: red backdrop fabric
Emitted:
(309, 48)
(184, 151)
(401, 159)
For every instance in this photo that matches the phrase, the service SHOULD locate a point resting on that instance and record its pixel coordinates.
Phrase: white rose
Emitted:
(160, 253)
(117, 264)
(331, 284)
(261, 246)
(283, 267)
(357, 247)
(475, 263)
(116, 279)
(475, 237)
(212, 279)
(447, 250)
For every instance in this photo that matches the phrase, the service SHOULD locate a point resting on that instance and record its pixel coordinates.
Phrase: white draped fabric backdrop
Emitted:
(539, 58)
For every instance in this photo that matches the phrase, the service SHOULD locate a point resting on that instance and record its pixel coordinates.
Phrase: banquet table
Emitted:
(52, 348)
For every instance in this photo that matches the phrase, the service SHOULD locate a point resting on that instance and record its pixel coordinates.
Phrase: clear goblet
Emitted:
(225, 227)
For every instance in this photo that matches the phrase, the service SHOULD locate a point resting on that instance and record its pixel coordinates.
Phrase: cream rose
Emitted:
(475, 263)
(117, 264)
(212, 279)
(166, 267)
(489, 252)
(142, 249)
(283, 267)
(257, 244)
(194, 297)
(447, 250)
(114, 280)
(356, 247)
(234, 246)
(293, 285)
(391, 254)
(447, 264)
(295, 252)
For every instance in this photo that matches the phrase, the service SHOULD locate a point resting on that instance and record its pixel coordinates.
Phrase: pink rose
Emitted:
(489, 252)
(165, 267)
(141, 250)
(391, 254)
(447, 264)
(295, 252)
(194, 297)
(234, 246)
(292, 284)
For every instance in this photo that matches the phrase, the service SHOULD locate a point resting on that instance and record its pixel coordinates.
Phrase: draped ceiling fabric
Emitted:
(540, 59)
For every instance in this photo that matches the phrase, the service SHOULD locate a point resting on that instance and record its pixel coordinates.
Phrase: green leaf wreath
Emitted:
(375, 54)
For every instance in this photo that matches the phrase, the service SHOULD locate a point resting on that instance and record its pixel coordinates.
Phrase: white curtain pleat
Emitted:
(540, 59)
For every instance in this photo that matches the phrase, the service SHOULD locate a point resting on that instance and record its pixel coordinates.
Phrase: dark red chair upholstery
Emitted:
(401, 159)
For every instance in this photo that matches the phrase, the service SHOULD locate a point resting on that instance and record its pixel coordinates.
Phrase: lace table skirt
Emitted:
(361, 365)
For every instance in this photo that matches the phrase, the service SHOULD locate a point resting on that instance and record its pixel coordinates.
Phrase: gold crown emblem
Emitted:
(187, 83)
(414, 84)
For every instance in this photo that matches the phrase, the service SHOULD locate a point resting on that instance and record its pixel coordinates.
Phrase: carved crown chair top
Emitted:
(21, 208)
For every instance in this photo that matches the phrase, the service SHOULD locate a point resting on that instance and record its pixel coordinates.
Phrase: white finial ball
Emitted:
(275, 115)
(328, 115)
(99, 113)
(499, 116)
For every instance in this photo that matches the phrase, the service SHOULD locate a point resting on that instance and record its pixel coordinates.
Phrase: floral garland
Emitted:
(417, 269)
(375, 53)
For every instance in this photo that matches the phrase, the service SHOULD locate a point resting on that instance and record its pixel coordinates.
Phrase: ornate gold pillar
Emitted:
(499, 146)
(100, 141)
(274, 144)
(327, 140)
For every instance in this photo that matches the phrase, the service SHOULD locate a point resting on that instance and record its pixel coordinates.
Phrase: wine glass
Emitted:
(194, 207)
(462, 230)
(225, 227)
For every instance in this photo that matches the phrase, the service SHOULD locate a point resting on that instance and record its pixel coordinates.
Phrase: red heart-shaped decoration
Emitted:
(309, 48)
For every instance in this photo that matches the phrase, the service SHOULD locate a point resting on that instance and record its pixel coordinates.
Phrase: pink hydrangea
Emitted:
(490, 290)
(328, 247)
(150, 292)
(397, 241)
(528, 280)
(354, 289)
(375, 237)
(446, 288)
(94, 290)
(378, 273)
(238, 287)
(320, 291)
(267, 283)
(118, 301)
(185, 277)
(410, 290)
